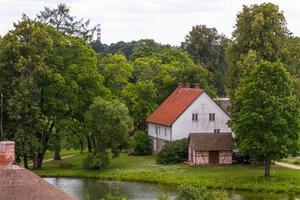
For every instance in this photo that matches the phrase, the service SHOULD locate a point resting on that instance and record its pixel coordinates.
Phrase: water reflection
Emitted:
(93, 189)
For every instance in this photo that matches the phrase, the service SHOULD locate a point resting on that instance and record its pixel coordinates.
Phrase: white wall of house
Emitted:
(203, 106)
(162, 132)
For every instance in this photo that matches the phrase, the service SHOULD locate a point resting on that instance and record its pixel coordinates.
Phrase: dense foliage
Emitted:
(109, 123)
(45, 77)
(260, 34)
(265, 114)
(98, 160)
(173, 152)
(207, 47)
(141, 143)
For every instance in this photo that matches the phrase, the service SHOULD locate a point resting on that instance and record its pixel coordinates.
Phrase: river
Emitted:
(93, 189)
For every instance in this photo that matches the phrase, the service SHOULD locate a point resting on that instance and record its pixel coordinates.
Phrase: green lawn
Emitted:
(131, 168)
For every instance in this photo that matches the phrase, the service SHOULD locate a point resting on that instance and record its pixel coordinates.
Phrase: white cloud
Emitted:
(166, 21)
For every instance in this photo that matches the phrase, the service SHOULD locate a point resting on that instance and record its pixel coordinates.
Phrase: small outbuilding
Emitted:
(210, 148)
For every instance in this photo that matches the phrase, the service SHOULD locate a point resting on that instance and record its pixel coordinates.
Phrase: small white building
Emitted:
(187, 110)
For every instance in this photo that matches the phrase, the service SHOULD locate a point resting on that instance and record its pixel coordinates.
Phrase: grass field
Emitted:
(145, 169)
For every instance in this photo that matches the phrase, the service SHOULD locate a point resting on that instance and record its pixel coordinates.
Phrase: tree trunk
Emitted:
(25, 161)
(57, 146)
(81, 147)
(34, 162)
(267, 168)
(40, 159)
(89, 145)
(57, 150)
(37, 160)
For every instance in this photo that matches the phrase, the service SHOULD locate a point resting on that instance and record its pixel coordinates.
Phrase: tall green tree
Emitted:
(24, 74)
(109, 123)
(62, 21)
(207, 47)
(265, 114)
(260, 29)
(55, 75)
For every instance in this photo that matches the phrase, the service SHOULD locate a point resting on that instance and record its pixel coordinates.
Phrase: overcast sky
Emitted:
(166, 21)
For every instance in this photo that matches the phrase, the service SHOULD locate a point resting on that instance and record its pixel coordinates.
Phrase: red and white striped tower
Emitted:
(98, 29)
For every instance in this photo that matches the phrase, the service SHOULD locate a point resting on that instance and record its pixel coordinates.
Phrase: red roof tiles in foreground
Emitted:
(174, 105)
(17, 183)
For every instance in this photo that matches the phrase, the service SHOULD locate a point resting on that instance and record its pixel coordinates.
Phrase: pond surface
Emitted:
(93, 189)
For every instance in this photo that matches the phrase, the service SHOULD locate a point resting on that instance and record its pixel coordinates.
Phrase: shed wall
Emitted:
(202, 157)
(225, 157)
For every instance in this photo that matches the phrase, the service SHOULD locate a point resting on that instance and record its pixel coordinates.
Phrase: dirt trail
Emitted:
(63, 157)
(287, 165)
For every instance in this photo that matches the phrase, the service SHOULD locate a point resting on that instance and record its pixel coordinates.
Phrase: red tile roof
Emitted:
(17, 183)
(174, 105)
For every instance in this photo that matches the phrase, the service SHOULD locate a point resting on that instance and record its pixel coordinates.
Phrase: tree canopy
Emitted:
(47, 77)
(260, 30)
(265, 114)
(62, 21)
(109, 123)
(207, 47)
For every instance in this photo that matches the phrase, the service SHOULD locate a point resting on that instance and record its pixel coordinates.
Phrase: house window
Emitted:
(212, 116)
(195, 116)
(217, 130)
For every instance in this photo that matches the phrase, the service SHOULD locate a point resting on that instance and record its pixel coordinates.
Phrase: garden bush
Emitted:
(141, 143)
(99, 160)
(190, 192)
(173, 152)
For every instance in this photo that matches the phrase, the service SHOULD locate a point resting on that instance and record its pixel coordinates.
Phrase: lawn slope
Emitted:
(145, 169)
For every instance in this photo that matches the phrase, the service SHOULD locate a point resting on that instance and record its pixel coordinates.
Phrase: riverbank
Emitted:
(145, 169)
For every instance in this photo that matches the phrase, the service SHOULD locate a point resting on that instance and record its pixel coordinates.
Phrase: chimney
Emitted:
(7, 152)
(187, 85)
(197, 86)
(180, 85)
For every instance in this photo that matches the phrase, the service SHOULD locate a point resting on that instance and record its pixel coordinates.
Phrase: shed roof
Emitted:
(211, 141)
(17, 183)
(174, 105)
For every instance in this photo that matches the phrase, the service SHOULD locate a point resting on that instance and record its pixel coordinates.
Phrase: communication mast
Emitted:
(98, 29)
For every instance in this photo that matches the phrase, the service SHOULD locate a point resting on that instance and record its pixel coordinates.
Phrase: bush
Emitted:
(189, 192)
(99, 160)
(141, 143)
(173, 152)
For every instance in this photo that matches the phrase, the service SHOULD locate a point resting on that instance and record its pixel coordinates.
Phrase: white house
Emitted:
(187, 110)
